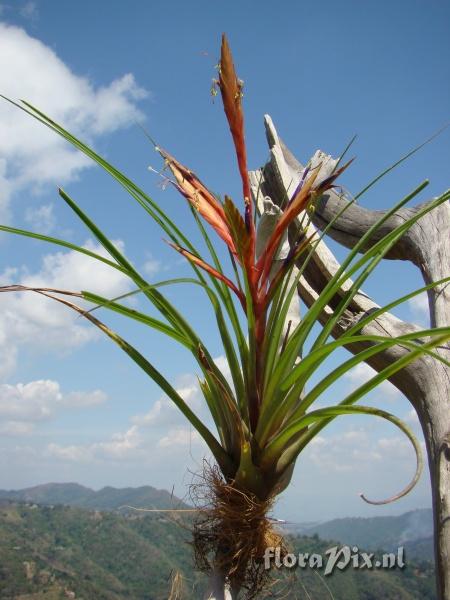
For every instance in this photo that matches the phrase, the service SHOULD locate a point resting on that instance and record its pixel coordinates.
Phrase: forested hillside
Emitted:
(56, 552)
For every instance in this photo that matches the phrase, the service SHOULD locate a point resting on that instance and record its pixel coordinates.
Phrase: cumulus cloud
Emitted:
(26, 318)
(420, 309)
(84, 399)
(180, 437)
(70, 453)
(6, 191)
(24, 404)
(151, 266)
(41, 218)
(15, 428)
(119, 447)
(31, 154)
(412, 417)
(397, 446)
(163, 411)
(419, 304)
(163, 428)
(355, 450)
(222, 364)
(362, 373)
(133, 444)
(340, 452)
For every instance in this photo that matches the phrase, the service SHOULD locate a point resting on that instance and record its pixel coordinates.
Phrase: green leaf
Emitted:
(63, 243)
(370, 385)
(375, 254)
(218, 451)
(136, 315)
(308, 366)
(325, 415)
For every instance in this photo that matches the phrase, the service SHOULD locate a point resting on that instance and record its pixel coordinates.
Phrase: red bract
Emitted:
(231, 90)
(238, 231)
(200, 197)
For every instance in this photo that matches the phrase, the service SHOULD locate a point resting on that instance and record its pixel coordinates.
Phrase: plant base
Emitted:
(232, 532)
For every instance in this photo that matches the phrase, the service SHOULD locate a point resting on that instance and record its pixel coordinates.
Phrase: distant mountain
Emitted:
(413, 530)
(422, 549)
(108, 498)
(55, 552)
(380, 532)
(50, 493)
(59, 552)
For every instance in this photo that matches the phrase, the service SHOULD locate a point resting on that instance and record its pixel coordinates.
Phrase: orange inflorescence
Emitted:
(238, 231)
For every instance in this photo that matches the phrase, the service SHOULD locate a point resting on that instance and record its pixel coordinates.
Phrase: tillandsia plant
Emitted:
(263, 414)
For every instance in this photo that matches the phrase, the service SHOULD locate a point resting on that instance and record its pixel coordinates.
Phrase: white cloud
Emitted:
(419, 304)
(398, 447)
(74, 271)
(26, 317)
(29, 11)
(412, 417)
(69, 453)
(337, 453)
(32, 401)
(222, 364)
(15, 428)
(85, 399)
(362, 373)
(164, 412)
(6, 191)
(41, 218)
(151, 266)
(354, 436)
(181, 436)
(420, 309)
(355, 450)
(318, 441)
(8, 355)
(163, 428)
(133, 445)
(35, 401)
(33, 156)
(119, 447)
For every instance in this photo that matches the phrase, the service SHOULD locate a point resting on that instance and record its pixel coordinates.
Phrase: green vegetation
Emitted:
(53, 552)
(46, 550)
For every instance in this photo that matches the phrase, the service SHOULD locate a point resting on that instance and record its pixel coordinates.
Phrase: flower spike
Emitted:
(231, 89)
(190, 186)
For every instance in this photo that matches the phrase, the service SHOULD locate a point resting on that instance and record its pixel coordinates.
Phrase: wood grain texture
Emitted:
(426, 382)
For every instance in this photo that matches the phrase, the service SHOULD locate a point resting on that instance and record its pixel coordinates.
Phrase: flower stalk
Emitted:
(263, 416)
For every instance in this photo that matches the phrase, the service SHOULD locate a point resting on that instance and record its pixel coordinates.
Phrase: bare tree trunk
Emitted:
(218, 588)
(426, 383)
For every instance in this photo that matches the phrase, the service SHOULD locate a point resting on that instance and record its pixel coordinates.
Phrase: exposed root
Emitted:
(176, 586)
(232, 532)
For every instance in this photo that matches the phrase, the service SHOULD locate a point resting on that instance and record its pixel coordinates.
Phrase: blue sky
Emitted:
(71, 407)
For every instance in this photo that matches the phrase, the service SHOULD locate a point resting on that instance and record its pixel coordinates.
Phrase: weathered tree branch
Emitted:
(425, 244)
(426, 382)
